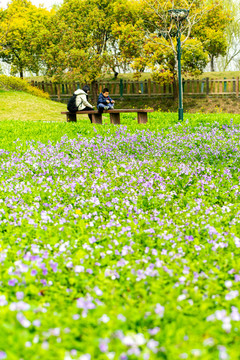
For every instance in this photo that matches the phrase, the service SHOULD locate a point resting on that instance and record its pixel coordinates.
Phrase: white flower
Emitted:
(110, 355)
(105, 319)
(85, 357)
(79, 269)
(208, 342)
(121, 317)
(228, 283)
(134, 340)
(128, 341)
(196, 352)
(3, 300)
(139, 339)
(159, 310)
(152, 344)
(19, 306)
(232, 295)
(181, 297)
(227, 326)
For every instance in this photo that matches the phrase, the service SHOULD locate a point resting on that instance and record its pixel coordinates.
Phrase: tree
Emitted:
(77, 39)
(81, 43)
(127, 33)
(156, 34)
(157, 38)
(212, 30)
(22, 29)
(233, 37)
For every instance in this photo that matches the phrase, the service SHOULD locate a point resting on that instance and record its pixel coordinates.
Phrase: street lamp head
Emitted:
(178, 14)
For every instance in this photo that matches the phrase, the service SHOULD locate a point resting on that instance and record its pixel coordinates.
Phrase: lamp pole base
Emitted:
(180, 114)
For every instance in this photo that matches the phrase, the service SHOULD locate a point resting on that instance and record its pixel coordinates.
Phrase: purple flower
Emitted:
(12, 282)
(189, 237)
(154, 331)
(159, 309)
(103, 346)
(19, 295)
(85, 304)
(237, 278)
(3, 355)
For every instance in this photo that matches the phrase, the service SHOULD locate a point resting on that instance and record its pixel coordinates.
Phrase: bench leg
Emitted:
(97, 118)
(115, 118)
(142, 117)
(71, 118)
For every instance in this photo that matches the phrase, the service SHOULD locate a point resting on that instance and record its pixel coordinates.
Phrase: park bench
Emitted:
(114, 115)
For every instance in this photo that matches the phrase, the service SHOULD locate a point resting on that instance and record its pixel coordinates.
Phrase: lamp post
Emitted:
(179, 15)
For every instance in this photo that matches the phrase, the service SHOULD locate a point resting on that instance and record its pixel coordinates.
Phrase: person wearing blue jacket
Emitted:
(104, 101)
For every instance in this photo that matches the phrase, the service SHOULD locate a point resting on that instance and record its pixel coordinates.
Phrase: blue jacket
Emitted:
(102, 99)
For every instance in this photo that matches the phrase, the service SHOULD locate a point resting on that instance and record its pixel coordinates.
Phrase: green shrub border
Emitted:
(17, 84)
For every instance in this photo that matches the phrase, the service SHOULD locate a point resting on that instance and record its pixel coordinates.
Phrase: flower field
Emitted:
(120, 242)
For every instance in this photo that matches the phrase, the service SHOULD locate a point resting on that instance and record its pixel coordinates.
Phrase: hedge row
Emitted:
(13, 83)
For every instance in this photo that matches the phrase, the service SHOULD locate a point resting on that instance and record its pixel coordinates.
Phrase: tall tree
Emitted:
(212, 30)
(78, 40)
(156, 33)
(22, 29)
(232, 55)
(82, 43)
(157, 37)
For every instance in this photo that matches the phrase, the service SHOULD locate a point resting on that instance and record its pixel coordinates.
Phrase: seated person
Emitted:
(104, 101)
(82, 100)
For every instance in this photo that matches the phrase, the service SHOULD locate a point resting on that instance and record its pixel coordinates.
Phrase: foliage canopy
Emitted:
(84, 39)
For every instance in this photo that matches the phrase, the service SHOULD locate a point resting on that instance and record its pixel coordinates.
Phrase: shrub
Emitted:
(13, 83)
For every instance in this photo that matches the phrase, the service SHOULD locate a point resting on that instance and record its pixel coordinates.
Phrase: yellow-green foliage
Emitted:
(13, 83)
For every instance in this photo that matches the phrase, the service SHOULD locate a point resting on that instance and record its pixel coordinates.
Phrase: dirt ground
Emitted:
(191, 105)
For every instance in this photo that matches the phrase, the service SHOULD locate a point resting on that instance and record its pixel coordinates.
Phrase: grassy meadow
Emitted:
(118, 242)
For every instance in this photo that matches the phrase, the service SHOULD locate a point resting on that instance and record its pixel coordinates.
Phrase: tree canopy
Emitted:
(83, 39)
(22, 32)
(202, 38)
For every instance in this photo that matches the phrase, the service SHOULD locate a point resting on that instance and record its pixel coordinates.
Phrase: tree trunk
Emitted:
(212, 63)
(94, 86)
(21, 73)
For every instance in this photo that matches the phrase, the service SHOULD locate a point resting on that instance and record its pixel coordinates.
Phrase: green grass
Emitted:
(25, 117)
(147, 75)
(220, 74)
(212, 75)
(16, 105)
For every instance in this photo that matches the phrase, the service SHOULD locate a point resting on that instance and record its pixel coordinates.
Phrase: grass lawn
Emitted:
(212, 75)
(25, 107)
(146, 75)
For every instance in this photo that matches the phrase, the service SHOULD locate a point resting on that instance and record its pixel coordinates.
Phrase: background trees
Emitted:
(22, 29)
(84, 39)
(232, 55)
(80, 41)
(212, 30)
(202, 36)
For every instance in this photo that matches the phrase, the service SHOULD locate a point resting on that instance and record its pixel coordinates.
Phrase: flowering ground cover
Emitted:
(120, 242)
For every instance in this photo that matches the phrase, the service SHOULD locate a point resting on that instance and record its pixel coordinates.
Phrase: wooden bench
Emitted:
(114, 115)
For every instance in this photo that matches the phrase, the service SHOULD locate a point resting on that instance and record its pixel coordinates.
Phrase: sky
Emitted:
(46, 3)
